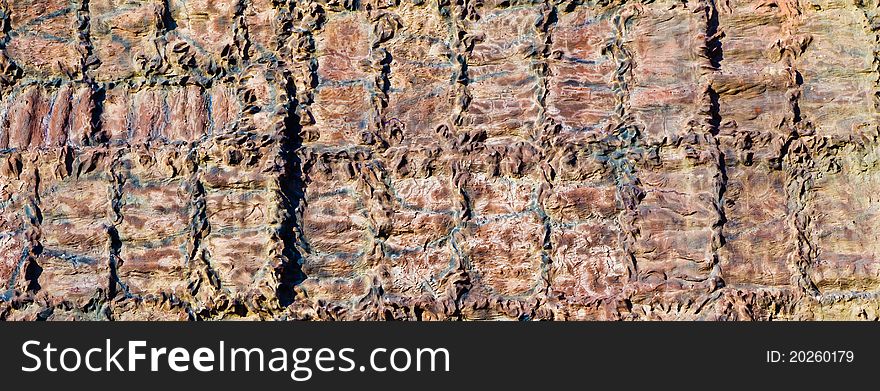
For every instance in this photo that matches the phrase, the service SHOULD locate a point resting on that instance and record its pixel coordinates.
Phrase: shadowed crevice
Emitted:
(289, 271)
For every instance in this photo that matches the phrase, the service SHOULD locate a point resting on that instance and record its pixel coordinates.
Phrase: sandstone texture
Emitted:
(439, 160)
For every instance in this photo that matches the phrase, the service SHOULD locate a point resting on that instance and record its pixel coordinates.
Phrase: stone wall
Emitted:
(439, 160)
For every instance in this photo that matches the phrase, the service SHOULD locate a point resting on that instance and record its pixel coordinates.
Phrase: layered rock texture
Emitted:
(439, 160)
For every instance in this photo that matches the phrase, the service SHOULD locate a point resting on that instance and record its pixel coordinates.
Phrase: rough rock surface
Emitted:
(439, 160)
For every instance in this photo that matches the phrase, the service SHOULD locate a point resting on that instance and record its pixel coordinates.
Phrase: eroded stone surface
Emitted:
(564, 160)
